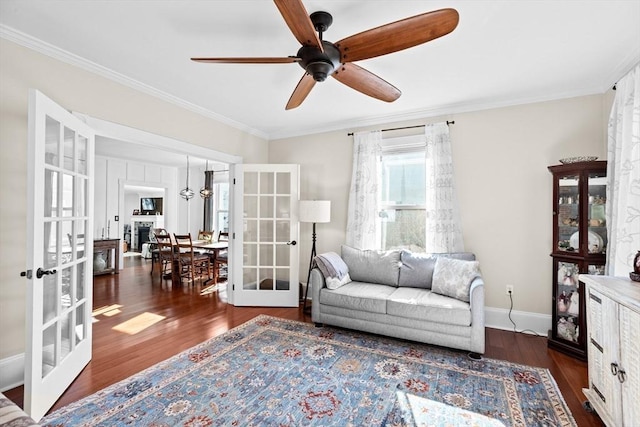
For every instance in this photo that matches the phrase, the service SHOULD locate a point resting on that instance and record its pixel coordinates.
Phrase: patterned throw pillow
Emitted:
(453, 277)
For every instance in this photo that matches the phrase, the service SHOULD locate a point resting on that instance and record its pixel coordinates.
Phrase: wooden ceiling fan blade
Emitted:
(297, 18)
(366, 82)
(398, 35)
(257, 60)
(301, 91)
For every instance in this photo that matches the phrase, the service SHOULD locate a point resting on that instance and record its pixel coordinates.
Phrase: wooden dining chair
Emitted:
(155, 249)
(221, 260)
(191, 263)
(165, 254)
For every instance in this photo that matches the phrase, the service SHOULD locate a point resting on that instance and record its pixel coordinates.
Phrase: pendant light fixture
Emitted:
(206, 192)
(187, 193)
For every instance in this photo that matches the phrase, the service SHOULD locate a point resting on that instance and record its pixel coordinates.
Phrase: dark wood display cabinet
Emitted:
(579, 246)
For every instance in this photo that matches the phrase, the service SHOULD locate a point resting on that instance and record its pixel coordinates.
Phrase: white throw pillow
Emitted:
(453, 277)
(334, 283)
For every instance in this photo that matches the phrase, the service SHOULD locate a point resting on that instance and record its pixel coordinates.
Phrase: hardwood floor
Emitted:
(191, 316)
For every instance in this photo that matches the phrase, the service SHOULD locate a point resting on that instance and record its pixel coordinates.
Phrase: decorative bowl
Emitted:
(578, 159)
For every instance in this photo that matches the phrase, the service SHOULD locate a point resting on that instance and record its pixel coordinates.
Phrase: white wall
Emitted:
(504, 187)
(81, 91)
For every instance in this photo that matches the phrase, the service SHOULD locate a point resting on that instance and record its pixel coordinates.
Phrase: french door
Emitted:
(59, 264)
(266, 217)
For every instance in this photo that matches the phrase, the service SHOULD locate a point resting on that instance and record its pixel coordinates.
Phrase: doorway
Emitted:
(141, 210)
(168, 158)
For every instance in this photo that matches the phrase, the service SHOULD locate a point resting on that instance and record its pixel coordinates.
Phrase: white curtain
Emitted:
(363, 229)
(623, 176)
(444, 230)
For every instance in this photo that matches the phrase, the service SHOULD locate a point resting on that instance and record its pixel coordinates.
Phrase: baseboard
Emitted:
(11, 372)
(498, 318)
(12, 368)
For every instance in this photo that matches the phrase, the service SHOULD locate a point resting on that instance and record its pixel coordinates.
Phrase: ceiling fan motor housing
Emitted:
(317, 63)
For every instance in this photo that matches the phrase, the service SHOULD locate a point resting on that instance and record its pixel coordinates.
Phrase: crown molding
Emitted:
(52, 51)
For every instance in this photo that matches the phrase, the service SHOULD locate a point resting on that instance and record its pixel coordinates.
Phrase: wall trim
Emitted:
(54, 52)
(20, 38)
(498, 318)
(11, 372)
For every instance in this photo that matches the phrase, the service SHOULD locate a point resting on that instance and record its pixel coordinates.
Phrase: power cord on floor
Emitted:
(532, 332)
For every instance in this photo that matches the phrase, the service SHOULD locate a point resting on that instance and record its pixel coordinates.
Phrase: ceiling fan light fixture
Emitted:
(320, 70)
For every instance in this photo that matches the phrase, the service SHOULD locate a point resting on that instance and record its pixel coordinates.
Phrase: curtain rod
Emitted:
(452, 122)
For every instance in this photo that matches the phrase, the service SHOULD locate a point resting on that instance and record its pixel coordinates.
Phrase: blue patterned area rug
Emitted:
(274, 372)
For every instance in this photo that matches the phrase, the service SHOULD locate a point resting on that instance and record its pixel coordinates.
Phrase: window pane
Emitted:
(223, 196)
(403, 178)
(404, 228)
(403, 200)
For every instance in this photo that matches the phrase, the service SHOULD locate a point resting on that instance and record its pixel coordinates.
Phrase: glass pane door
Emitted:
(269, 236)
(59, 293)
(568, 213)
(597, 223)
(567, 302)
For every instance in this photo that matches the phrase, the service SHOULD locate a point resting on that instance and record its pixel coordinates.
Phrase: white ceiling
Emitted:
(502, 53)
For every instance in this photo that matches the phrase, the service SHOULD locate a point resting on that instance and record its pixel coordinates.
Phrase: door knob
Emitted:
(292, 243)
(40, 272)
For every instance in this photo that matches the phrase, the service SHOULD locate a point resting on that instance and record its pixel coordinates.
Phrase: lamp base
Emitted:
(312, 264)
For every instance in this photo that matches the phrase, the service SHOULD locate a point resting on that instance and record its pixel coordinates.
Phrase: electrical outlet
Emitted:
(509, 289)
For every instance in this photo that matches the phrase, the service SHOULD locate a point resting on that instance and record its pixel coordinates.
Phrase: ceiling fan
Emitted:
(320, 58)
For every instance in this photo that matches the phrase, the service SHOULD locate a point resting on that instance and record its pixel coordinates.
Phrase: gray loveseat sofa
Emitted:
(431, 298)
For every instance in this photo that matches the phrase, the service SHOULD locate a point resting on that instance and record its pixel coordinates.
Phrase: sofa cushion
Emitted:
(416, 269)
(452, 277)
(425, 305)
(358, 296)
(372, 266)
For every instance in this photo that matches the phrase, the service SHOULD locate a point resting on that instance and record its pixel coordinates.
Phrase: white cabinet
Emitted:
(613, 322)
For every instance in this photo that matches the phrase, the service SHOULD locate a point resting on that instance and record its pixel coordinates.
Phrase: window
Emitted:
(221, 192)
(403, 197)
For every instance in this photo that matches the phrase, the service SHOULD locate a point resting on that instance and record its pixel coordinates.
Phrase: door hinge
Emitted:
(233, 287)
(234, 181)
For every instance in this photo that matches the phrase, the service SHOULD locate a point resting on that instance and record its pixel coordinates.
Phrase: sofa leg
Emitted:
(475, 356)
(319, 325)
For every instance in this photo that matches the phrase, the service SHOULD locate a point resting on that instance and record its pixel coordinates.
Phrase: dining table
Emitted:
(214, 247)
(208, 245)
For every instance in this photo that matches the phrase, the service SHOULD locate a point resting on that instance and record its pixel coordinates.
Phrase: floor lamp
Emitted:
(313, 211)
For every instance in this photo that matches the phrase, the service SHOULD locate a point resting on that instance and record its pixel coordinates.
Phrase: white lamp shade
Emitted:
(314, 211)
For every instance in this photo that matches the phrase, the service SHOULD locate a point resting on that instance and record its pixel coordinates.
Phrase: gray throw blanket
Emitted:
(332, 265)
